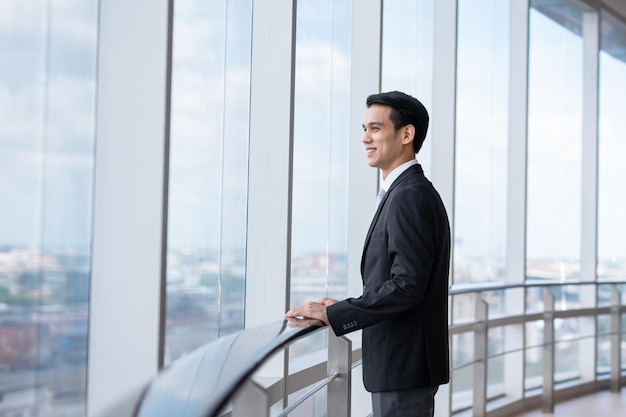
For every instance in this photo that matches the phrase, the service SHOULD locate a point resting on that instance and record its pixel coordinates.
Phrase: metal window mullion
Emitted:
(270, 161)
(365, 74)
(270, 170)
(591, 44)
(589, 201)
(127, 302)
(443, 115)
(443, 130)
(365, 63)
(517, 164)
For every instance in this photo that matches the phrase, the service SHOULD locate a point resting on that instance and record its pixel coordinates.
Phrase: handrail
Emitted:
(203, 383)
(309, 394)
(458, 289)
(218, 368)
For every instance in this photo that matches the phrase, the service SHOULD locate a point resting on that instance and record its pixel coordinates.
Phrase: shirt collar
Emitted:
(393, 175)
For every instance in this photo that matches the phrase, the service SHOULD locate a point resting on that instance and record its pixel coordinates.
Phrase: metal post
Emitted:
(339, 389)
(481, 338)
(616, 338)
(251, 400)
(548, 352)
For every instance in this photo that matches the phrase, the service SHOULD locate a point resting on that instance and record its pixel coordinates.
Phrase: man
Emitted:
(403, 310)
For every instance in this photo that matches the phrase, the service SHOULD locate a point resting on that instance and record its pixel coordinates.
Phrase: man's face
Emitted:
(385, 146)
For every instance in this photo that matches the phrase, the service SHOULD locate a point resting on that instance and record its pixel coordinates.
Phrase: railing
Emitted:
(218, 379)
(545, 395)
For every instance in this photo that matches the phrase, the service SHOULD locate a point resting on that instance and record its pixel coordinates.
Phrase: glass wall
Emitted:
(611, 149)
(320, 150)
(47, 114)
(480, 172)
(407, 56)
(554, 141)
(611, 171)
(208, 172)
(481, 141)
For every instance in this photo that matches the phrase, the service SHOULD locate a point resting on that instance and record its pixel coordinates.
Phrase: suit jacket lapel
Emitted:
(415, 169)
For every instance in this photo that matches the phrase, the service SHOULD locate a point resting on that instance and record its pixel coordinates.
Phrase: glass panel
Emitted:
(320, 154)
(496, 302)
(534, 355)
(554, 141)
(463, 307)
(47, 114)
(566, 356)
(611, 149)
(208, 172)
(407, 38)
(462, 347)
(481, 141)
(623, 342)
(603, 344)
(534, 299)
(495, 365)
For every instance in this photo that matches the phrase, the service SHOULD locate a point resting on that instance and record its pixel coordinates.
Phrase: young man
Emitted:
(403, 310)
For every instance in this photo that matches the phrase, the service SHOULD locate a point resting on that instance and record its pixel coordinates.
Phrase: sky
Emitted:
(47, 113)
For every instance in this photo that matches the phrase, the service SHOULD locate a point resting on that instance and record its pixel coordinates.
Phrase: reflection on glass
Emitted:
(554, 142)
(612, 148)
(47, 104)
(208, 172)
(408, 39)
(481, 141)
(320, 153)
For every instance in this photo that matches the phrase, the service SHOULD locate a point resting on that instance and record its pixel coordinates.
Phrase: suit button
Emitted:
(345, 327)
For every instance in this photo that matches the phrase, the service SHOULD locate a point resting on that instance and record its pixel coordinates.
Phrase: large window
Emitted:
(481, 141)
(480, 175)
(407, 56)
(320, 150)
(554, 141)
(555, 103)
(612, 148)
(208, 172)
(47, 113)
(611, 170)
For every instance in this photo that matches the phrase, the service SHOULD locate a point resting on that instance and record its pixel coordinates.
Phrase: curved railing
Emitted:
(589, 303)
(217, 378)
(204, 382)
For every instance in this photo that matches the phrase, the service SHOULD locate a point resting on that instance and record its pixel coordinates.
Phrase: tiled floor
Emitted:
(600, 404)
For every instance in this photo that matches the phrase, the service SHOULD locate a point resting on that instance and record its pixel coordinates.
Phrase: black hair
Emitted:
(405, 110)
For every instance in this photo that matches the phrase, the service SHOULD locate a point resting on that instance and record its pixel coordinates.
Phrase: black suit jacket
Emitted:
(404, 307)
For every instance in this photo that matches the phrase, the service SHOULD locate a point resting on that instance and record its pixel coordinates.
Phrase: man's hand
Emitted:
(327, 301)
(312, 310)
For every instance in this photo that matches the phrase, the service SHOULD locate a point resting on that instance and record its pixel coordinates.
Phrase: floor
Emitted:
(602, 403)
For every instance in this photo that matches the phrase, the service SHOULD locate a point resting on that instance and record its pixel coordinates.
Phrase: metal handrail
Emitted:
(246, 396)
(458, 289)
(219, 369)
(309, 394)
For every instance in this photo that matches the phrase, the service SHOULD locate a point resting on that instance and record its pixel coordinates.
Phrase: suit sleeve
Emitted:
(402, 276)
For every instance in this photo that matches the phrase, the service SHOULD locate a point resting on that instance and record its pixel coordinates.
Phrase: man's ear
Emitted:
(408, 134)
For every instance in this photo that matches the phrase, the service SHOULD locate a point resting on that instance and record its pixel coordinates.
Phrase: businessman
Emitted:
(403, 310)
